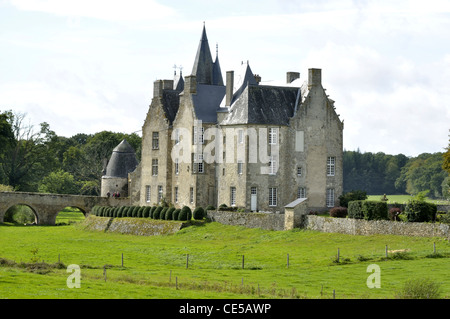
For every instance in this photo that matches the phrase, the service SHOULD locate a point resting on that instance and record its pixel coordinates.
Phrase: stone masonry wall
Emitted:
(268, 221)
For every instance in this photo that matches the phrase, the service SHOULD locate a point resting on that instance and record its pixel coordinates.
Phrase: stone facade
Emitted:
(241, 143)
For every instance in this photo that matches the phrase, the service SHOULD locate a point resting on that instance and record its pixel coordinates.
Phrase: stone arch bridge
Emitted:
(47, 206)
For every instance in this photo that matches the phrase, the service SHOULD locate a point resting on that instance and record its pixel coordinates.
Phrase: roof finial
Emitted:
(217, 49)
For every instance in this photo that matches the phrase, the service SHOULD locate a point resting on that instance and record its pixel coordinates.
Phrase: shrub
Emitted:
(157, 212)
(222, 206)
(199, 213)
(95, 210)
(420, 211)
(394, 213)
(443, 217)
(175, 214)
(162, 215)
(146, 212)
(339, 212)
(210, 207)
(344, 199)
(124, 211)
(152, 210)
(420, 288)
(185, 213)
(140, 213)
(169, 213)
(373, 210)
(130, 211)
(355, 209)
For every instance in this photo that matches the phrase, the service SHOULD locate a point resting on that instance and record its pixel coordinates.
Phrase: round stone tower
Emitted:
(115, 178)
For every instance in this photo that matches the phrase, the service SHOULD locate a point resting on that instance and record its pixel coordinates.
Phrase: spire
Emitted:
(203, 64)
(217, 73)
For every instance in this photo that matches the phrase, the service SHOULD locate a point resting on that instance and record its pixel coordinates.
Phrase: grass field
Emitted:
(403, 199)
(155, 267)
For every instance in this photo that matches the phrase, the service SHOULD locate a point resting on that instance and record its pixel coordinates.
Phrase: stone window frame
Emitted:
(191, 195)
(299, 171)
(273, 135)
(147, 193)
(154, 167)
(272, 165)
(155, 140)
(177, 166)
(240, 167)
(175, 194)
(330, 197)
(273, 196)
(301, 192)
(331, 166)
(232, 196)
(160, 193)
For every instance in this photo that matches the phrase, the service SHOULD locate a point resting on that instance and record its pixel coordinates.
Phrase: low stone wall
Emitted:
(373, 227)
(268, 221)
(133, 226)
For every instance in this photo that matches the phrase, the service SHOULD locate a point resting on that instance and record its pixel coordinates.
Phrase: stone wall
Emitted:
(374, 227)
(133, 226)
(268, 221)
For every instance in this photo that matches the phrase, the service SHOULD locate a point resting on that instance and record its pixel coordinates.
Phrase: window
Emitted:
(155, 140)
(331, 162)
(155, 167)
(160, 193)
(177, 167)
(239, 167)
(197, 165)
(233, 196)
(175, 195)
(191, 194)
(241, 136)
(301, 192)
(253, 190)
(272, 165)
(147, 193)
(198, 134)
(273, 135)
(299, 171)
(272, 196)
(330, 197)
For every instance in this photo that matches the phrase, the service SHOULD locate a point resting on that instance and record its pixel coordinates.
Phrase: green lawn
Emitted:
(155, 267)
(403, 199)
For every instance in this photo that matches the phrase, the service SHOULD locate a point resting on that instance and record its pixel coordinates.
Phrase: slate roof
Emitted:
(207, 102)
(170, 104)
(261, 104)
(123, 161)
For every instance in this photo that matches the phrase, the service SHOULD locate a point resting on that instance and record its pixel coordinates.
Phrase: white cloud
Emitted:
(117, 10)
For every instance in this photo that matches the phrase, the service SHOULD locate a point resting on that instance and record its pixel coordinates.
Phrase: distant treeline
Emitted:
(379, 173)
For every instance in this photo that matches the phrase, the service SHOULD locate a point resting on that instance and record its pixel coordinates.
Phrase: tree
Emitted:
(59, 182)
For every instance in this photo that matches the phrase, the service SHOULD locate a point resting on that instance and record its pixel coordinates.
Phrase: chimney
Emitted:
(229, 88)
(157, 88)
(190, 85)
(291, 76)
(168, 84)
(314, 77)
(257, 78)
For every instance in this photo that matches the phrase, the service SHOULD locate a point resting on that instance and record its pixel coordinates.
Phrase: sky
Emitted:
(84, 66)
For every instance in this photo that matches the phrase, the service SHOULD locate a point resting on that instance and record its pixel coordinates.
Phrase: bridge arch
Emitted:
(21, 210)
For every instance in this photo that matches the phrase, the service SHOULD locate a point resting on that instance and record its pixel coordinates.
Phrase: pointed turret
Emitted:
(217, 73)
(203, 64)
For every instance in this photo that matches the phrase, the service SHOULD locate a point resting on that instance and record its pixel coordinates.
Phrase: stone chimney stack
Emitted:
(314, 77)
(257, 78)
(291, 76)
(157, 88)
(229, 88)
(190, 85)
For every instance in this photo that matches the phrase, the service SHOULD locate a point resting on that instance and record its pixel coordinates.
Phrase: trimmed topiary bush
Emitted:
(157, 212)
(130, 211)
(169, 213)
(162, 215)
(146, 212)
(199, 213)
(420, 211)
(176, 213)
(140, 213)
(151, 211)
(185, 213)
(373, 210)
(339, 212)
(346, 198)
(210, 207)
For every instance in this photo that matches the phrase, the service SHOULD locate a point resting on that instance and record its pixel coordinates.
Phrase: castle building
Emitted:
(239, 143)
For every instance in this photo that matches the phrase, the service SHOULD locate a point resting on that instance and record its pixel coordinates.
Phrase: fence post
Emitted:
(386, 251)
(122, 259)
(187, 261)
(338, 253)
(242, 261)
(287, 260)
(434, 247)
